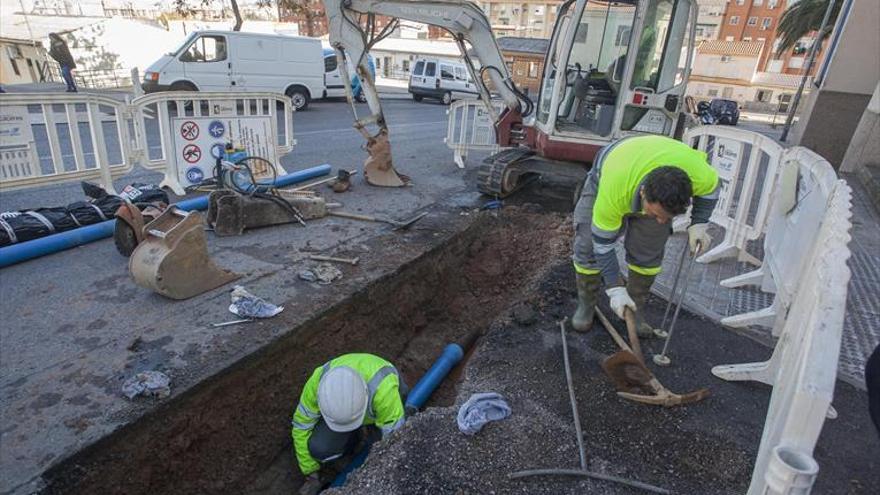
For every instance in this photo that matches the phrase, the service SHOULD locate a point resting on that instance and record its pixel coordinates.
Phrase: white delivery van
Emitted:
(236, 61)
(436, 78)
(333, 76)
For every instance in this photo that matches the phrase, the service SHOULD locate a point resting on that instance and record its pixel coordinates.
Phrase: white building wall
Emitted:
(726, 66)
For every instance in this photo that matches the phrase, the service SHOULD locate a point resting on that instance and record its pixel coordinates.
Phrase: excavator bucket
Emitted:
(378, 169)
(173, 258)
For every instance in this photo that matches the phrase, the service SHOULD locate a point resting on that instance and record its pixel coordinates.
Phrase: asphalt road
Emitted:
(70, 318)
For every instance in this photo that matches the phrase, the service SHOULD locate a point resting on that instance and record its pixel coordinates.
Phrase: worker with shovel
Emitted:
(635, 188)
(341, 396)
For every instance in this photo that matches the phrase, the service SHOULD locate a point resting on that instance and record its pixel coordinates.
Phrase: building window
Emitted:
(771, 4)
(753, 21)
(734, 20)
(533, 70)
(740, 2)
(406, 65)
(728, 38)
(622, 38)
(763, 95)
(758, 3)
(712, 92)
(747, 39)
(796, 62)
(766, 23)
(14, 67)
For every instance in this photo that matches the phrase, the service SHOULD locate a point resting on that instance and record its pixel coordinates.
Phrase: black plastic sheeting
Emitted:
(26, 225)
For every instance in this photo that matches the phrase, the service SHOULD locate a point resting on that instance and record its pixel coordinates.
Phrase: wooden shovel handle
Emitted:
(632, 330)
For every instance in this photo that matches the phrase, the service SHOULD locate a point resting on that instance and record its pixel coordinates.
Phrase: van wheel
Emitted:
(417, 97)
(299, 98)
(182, 86)
(447, 98)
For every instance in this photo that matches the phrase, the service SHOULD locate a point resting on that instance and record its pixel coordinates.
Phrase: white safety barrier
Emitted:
(801, 197)
(183, 133)
(470, 127)
(55, 138)
(803, 366)
(747, 164)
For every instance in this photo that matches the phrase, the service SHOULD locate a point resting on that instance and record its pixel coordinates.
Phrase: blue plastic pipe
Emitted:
(417, 397)
(420, 394)
(24, 251)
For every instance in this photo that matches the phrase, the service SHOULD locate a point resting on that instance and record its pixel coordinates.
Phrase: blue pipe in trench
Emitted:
(16, 253)
(451, 356)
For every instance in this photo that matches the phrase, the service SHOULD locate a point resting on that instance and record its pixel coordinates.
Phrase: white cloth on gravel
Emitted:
(479, 410)
(323, 274)
(148, 383)
(247, 305)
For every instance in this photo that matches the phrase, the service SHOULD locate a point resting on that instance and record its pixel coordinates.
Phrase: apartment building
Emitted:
(758, 21)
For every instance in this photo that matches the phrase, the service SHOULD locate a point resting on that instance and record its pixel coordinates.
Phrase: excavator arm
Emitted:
(351, 40)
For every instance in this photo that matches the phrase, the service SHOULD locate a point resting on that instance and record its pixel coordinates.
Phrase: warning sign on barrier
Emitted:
(200, 141)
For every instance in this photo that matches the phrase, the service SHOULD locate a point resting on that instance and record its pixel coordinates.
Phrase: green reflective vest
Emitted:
(625, 166)
(384, 409)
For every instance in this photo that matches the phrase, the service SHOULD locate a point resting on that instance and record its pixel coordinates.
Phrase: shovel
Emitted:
(633, 380)
(404, 225)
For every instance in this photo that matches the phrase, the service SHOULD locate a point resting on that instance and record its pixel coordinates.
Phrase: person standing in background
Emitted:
(59, 51)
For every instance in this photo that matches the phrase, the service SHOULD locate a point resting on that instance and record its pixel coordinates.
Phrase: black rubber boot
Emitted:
(639, 286)
(588, 290)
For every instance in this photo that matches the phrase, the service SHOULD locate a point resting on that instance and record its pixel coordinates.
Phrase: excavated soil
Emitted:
(704, 448)
(230, 434)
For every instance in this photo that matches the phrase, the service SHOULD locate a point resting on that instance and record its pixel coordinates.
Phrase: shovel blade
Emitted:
(628, 373)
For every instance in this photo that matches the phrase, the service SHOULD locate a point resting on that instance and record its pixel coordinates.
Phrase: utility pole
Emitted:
(810, 59)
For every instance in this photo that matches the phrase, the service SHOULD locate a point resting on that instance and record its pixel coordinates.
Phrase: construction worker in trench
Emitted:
(635, 188)
(342, 396)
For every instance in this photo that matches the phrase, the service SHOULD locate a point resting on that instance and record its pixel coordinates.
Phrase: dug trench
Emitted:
(231, 433)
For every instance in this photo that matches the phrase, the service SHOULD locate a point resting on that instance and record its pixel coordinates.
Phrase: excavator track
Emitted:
(498, 176)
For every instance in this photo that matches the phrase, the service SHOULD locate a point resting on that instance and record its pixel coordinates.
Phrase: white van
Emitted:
(436, 78)
(236, 61)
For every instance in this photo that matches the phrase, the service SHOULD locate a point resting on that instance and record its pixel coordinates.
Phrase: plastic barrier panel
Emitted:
(183, 133)
(804, 188)
(803, 366)
(747, 164)
(471, 128)
(55, 138)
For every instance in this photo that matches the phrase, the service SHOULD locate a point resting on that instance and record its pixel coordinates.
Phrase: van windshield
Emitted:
(177, 51)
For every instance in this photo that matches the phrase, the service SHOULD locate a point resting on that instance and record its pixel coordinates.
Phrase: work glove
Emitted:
(619, 299)
(698, 235)
(311, 486)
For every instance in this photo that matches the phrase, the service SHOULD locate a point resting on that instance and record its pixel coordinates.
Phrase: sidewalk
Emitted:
(861, 329)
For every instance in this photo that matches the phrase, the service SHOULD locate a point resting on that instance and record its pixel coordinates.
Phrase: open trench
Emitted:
(230, 434)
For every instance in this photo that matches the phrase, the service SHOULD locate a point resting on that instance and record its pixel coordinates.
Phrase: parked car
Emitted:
(441, 79)
(236, 61)
(718, 111)
(333, 76)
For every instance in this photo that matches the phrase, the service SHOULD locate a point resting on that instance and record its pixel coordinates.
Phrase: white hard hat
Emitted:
(342, 398)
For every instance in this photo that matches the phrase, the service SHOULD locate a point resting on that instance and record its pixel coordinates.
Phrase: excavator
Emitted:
(613, 69)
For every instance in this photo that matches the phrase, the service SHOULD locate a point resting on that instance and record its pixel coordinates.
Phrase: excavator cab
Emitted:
(614, 68)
